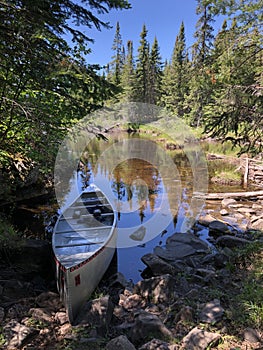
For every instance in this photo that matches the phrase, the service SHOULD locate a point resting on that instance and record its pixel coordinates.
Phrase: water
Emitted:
(150, 188)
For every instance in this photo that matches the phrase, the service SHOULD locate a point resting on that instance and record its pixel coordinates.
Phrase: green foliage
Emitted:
(9, 238)
(142, 69)
(175, 77)
(248, 307)
(220, 87)
(2, 337)
(45, 84)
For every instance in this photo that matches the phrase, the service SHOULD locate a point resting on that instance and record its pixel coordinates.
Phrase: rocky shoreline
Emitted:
(190, 301)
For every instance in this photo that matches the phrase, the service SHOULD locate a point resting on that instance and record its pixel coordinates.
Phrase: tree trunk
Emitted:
(219, 195)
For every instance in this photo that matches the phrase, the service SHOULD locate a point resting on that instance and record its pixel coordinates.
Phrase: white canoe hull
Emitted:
(84, 247)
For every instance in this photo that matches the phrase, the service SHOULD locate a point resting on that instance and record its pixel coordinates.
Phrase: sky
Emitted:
(162, 19)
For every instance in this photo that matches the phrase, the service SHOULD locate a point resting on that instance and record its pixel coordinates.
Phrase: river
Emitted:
(150, 187)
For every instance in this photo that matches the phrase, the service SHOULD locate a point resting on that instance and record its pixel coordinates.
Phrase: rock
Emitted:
(181, 245)
(218, 228)
(155, 344)
(246, 210)
(231, 241)
(120, 343)
(186, 314)
(212, 312)
(220, 260)
(223, 212)
(61, 317)
(205, 220)
(98, 313)
(147, 324)
(132, 302)
(158, 289)
(17, 334)
(252, 335)
(157, 265)
(49, 300)
(198, 339)
(238, 216)
(227, 201)
(257, 225)
(16, 311)
(41, 315)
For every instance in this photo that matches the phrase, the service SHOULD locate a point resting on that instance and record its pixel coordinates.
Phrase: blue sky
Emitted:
(162, 19)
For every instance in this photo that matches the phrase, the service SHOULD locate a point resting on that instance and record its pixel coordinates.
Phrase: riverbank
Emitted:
(196, 298)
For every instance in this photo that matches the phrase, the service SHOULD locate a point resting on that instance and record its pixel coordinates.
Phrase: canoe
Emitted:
(83, 242)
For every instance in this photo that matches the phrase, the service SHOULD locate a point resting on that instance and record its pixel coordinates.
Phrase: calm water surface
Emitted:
(150, 188)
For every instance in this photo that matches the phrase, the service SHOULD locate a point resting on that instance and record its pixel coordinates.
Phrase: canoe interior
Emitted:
(83, 228)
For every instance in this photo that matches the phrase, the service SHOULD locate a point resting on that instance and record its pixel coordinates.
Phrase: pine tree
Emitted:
(127, 77)
(204, 32)
(200, 84)
(175, 76)
(155, 74)
(117, 59)
(236, 104)
(142, 69)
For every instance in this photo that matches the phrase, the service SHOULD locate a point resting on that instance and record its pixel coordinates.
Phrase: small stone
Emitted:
(224, 212)
(120, 343)
(219, 227)
(258, 225)
(159, 289)
(155, 344)
(251, 335)
(227, 201)
(17, 334)
(205, 220)
(212, 312)
(231, 241)
(148, 324)
(157, 265)
(61, 317)
(49, 300)
(198, 339)
(40, 315)
(98, 313)
(246, 210)
(185, 314)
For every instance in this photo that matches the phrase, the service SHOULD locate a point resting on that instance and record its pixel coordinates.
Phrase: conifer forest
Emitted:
(47, 83)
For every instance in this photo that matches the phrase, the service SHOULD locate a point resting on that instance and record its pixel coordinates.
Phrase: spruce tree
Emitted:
(142, 69)
(200, 84)
(175, 76)
(127, 77)
(155, 74)
(117, 59)
(236, 106)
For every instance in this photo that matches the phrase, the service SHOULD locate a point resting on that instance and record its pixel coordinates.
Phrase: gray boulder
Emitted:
(147, 324)
(120, 343)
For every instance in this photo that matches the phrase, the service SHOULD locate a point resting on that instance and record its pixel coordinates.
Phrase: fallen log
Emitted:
(218, 196)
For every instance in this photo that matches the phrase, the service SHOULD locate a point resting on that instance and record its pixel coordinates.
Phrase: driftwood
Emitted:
(216, 196)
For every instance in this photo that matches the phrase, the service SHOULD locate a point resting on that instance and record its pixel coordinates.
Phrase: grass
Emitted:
(216, 147)
(224, 171)
(2, 337)
(247, 307)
